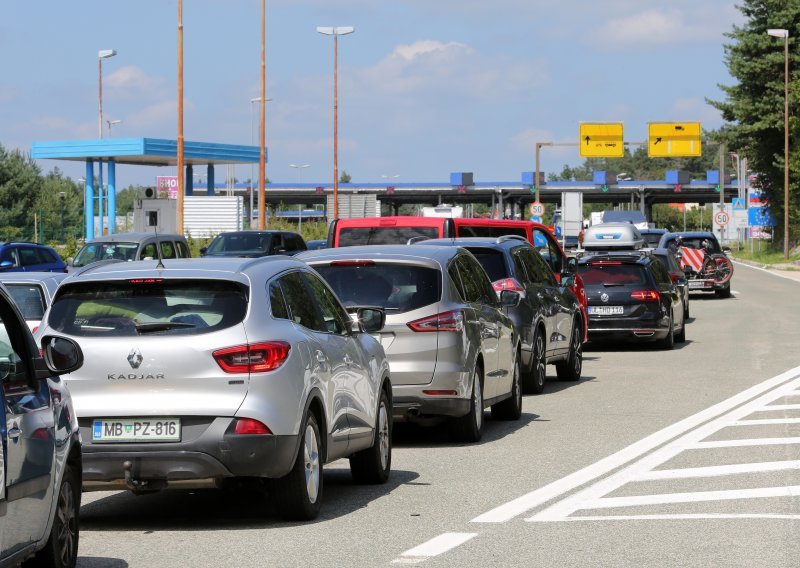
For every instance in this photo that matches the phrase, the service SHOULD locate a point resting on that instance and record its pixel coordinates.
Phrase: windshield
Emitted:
(137, 307)
(230, 244)
(397, 288)
(93, 252)
(384, 235)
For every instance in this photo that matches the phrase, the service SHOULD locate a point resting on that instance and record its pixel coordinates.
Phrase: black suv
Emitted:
(548, 317)
(251, 244)
(631, 296)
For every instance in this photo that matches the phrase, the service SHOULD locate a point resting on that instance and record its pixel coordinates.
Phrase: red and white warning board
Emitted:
(693, 258)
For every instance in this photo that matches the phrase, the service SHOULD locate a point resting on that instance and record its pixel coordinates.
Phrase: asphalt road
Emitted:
(602, 472)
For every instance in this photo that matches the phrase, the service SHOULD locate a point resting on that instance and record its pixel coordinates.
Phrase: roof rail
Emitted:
(505, 238)
(95, 264)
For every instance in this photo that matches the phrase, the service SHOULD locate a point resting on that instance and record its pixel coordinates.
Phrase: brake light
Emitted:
(353, 263)
(440, 392)
(255, 358)
(250, 426)
(646, 295)
(606, 263)
(145, 281)
(446, 321)
(507, 284)
(675, 277)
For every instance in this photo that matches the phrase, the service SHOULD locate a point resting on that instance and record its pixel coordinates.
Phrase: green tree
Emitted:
(754, 106)
(19, 185)
(344, 177)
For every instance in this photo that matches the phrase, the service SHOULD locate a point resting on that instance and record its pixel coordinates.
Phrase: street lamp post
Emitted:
(336, 31)
(785, 35)
(102, 54)
(252, 141)
(111, 123)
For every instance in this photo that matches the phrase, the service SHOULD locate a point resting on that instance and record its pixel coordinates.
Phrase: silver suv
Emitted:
(208, 370)
(451, 348)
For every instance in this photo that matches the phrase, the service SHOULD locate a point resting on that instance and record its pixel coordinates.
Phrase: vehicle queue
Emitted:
(260, 369)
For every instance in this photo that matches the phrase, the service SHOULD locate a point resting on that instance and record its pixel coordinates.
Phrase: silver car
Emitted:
(451, 349)
(32, 292)
(208, 370)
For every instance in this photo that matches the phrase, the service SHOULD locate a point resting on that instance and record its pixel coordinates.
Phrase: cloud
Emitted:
(524, 143)
(133, 82)
(652, 27)
(8, 94)
(695, 109)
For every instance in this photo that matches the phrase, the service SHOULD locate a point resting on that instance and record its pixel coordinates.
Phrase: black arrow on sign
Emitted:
(587, 140)
(657, 141)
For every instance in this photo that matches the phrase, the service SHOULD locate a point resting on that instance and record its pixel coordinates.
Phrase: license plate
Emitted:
(136, 430)
(699, 284)
(605, 310)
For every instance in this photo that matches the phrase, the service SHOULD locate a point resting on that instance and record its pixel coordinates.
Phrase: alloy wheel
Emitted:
(383, 435)
(311, 462)
(67, 523)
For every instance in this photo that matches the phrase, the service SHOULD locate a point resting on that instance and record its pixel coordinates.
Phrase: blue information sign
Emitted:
(760, 217)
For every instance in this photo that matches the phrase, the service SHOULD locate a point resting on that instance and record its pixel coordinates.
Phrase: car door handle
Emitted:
(14, 433)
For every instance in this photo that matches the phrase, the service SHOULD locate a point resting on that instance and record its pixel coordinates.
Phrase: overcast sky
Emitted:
(426, 87)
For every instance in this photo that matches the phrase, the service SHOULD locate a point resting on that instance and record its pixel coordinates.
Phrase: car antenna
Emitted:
(160, 264)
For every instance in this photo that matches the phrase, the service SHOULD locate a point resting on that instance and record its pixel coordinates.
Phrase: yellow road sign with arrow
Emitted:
(601, 140)
(668, 139)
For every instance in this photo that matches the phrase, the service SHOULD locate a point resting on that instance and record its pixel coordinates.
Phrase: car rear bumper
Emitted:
(640, 333)
(410, 408)
(213, 454)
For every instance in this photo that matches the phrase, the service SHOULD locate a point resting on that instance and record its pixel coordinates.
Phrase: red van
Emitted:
(403, 230)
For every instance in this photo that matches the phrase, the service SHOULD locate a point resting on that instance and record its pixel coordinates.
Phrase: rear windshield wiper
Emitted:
(612, 284)
(161, 326)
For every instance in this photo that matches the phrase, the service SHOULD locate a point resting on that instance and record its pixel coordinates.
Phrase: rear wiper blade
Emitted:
(161, 326)
(612, 284)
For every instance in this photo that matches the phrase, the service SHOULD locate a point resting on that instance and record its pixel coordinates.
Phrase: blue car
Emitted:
(29, 257)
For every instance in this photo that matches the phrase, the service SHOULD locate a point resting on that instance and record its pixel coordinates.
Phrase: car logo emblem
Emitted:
(135, 358)
(603, 297)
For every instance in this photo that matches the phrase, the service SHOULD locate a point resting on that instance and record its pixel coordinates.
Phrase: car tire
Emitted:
(570, 368)
(680, 337)
(511, 408)
(372, 466)
(61, 549)
(468, 428)
(686, 311)
(534, 378)
(298, 494)
(669, 341)
(724, 293)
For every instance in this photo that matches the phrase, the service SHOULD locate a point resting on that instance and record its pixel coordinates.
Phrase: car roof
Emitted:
(231, 268)
(627, 256)
(256, 232)
(504, 242)
(393, 221)
(653, 231)
(690, 234)
(15, 277)
(417, 253)
(481, 222)
(133, 237)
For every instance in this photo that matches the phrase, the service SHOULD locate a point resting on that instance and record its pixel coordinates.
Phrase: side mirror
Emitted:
(509, 298)
(687, 269)
(567, 280)
(62, 355)
(203, 250)
(6, 264)
(370, 320)
(572, 265)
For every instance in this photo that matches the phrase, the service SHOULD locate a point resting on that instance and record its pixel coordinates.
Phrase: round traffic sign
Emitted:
(722, 218)
(537, 209)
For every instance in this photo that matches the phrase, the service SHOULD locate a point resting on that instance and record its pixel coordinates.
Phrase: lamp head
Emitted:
(106, 53)
(778, 33)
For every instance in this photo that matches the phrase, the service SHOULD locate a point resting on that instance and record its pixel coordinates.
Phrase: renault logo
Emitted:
(135, 358)
(603, 297)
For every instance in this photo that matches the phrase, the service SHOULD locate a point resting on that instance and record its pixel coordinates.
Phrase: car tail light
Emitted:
(353, 263)
(252, 358)
(446, 321)
(507, 284)
(145, 280)
(646, 295)
(250, 426)
(675, 277)
(440, 392)
(606, 263)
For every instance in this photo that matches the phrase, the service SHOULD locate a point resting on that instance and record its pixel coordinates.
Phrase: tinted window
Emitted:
(483, 231)
(549, 250)
(148, 251)
(697, 243)
(538, 270)
(302, 309)
(28, 256)
(352, 236)
(46, 256)
(9, 255)
(397, 288)
(276, 302)
(660, 273)
(651, 239)
(167, 249)
(473, 277)
(612, 274)
(131, 308)
(455, 280)
(29, 299)
(277, 244)
(333, 317)
(239, 243)
(183, 250)
(492, 261)
(295, 242)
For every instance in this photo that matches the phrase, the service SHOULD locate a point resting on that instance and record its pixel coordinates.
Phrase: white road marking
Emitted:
(763, 421)
(767, 271)
(691, 497)
(593, 493)
(685, 517)
(561, 486)
(744, 443)
(434, 547)
(779, 407)
(717, 470)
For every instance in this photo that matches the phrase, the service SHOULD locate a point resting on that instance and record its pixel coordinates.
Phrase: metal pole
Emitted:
(100, 97)
(335, 125)
(721, 190)
(262, 157)
(180, 117)
(536, 174)
(786, 148)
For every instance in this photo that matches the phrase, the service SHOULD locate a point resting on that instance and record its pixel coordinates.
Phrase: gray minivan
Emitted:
(132, 246)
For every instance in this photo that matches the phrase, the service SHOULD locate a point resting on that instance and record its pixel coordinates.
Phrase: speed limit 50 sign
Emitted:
(537, 209)
(722, 218)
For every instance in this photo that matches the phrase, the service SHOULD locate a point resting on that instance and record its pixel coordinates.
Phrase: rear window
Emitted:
(29, 300)
(397, 288)
(697, 243)
(353, 236)
(612, 274)
(239, 243)
(492, 261)
(482, 231)
(652, 239)
(130, 308)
